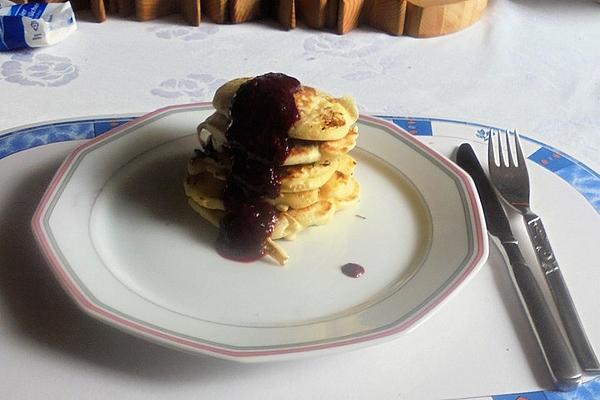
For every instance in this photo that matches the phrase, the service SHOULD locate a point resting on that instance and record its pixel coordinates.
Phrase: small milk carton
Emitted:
(34, 24)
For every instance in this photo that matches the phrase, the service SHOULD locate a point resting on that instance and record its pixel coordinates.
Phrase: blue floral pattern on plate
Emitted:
(578, 175)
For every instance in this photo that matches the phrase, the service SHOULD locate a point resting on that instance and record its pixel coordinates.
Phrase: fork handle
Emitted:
(560, 360)
(562, 298)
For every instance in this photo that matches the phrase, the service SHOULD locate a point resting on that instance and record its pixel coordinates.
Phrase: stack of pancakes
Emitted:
(316, 177)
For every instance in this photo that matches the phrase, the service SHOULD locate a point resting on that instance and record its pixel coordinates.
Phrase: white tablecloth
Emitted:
(528, 65)
(532, 65)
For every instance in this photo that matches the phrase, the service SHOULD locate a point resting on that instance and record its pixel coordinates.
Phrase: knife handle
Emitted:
(559, 357)
(562, 298)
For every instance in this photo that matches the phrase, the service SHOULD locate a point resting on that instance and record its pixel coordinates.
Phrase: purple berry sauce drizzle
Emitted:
(262, 112)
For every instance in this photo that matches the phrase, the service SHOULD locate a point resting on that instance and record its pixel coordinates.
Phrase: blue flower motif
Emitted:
(341, 46)
(194, 87)
(183, 33)
(37, 69)
(483, 134)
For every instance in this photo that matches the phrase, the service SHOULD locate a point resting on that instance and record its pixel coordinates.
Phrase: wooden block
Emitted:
(216, 10)
(313, 12)
(386, 15)
(318, 14)
(150, 9)
(98, 10)
(428, 18)
(80, 4)
(349, 13)
(246, 10)
(191, 11)
(331, 17)
(286, 14)
(126, 7)
(113, 6)
(419, 18)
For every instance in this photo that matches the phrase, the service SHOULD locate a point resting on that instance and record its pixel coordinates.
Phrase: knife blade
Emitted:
(558, 355)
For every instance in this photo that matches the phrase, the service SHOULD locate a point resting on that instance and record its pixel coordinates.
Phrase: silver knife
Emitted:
(560, 359)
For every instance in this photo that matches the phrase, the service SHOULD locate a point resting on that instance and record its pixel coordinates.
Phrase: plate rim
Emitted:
(476, 259)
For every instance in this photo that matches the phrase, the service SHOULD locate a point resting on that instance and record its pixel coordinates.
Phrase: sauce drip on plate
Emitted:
(262, 112)
(353, 270)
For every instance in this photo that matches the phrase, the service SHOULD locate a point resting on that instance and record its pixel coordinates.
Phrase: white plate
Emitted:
(115, 226)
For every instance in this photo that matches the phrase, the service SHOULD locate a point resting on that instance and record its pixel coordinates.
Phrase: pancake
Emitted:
(218, 165)
(293, 221)
(224, 95)
(313, 182)
(206, 190)
(301, 151)
(322, 116)
(299, 178)
(205, 187)
(213, 129)
(294, 178)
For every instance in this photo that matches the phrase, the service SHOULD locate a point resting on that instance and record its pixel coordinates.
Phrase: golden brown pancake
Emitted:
(305, 151)
(299, 178)
(316, 177)
(291, 222)
(205, 184)
(322, 116)
(301, 151)
(224, 95)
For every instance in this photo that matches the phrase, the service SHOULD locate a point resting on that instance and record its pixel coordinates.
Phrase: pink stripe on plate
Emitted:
(89, 306)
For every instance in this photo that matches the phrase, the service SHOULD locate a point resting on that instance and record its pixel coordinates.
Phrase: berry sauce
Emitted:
(353, 270)
(262, 112)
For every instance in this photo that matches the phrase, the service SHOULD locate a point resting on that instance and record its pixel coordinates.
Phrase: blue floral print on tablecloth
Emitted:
(359, 51)
(340, 46)
(194, 87)
(185, 33)
(28, 68)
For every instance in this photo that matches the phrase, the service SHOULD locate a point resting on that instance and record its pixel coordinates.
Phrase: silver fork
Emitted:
(512, 182)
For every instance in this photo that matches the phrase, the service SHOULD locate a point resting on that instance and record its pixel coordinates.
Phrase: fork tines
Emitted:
(509, 161)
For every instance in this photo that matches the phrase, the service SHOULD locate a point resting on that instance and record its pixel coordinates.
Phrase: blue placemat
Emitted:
(582, 178)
